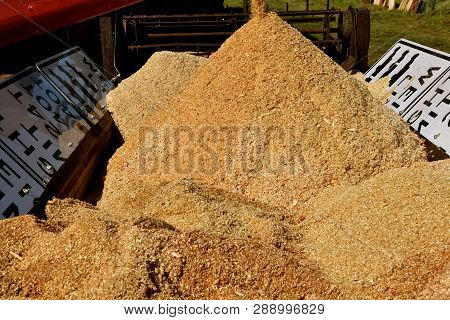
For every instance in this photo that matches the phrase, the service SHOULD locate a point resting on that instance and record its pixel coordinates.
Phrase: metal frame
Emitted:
(204, 33)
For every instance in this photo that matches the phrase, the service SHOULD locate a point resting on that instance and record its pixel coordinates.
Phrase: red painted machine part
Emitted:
(23, 19)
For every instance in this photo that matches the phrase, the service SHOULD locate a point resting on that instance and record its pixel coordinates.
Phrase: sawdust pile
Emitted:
(269, 117)
(190, 206)
(389, 234)
(381, 239)
(362, 215)
(82, 253)
(152, 87)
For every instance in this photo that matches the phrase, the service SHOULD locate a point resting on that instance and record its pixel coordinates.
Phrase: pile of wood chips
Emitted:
(269, 117)
(360, 215)
(152, 87)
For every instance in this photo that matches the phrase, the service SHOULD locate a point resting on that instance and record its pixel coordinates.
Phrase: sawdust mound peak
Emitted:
(152, 87)
(258, 8)
(328, 129)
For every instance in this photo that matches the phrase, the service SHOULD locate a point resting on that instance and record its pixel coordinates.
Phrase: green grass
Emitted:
(428, 29)
(387, 27)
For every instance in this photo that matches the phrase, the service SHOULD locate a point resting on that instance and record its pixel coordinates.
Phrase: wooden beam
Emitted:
(107, 43)
(391, 5)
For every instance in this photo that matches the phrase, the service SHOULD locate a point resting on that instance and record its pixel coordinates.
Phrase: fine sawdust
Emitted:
(378, 89)
(439, 289)
(384, 238)
(388, 235)
(80, 253)
(363, 216)
(189, 206)
(152, 87)
(258, 8)
(269, 117)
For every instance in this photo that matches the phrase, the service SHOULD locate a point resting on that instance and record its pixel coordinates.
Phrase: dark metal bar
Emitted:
(320, 42)
(319, 30)
(187, 34)
(312, 12)
(187, 16)
(301, 20)
(107, 44)
(243, 15)
(289, 17)
(326, 27)
(221, 23)
(199, 22)
(227, 34)
(210, 45)
(341, 26)
(171, 45)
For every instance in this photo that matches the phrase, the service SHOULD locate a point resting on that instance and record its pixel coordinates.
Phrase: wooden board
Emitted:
(415, 6)
(73, 179)
(391, 4)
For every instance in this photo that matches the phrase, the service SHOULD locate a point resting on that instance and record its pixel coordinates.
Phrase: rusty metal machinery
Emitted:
(124, 33)
(343, 35)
